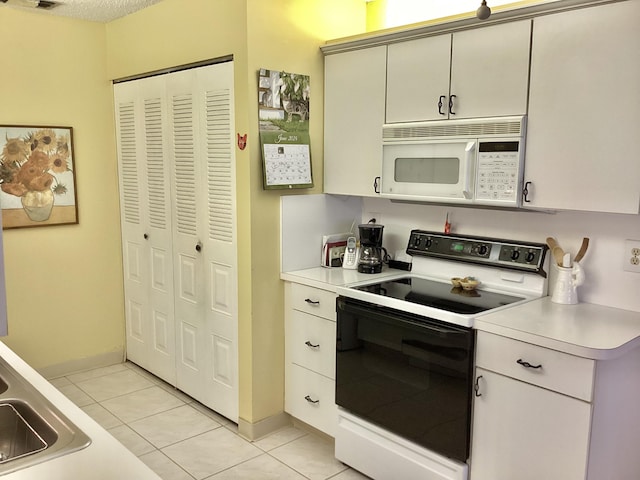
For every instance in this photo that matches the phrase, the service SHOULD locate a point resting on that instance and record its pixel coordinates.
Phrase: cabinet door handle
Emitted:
(198, 247)
(476, 386)
(527, 364)
(451, 104)
(311, 345)
(376, 185)
(312, 302)
(311, 400)
(146, 236)
(442, 97)
(525, 192)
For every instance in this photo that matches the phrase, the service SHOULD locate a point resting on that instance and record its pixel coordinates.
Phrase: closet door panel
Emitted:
(215, 92)
(146, 225)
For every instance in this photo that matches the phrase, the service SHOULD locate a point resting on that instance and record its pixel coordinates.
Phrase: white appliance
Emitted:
(474, 161)
(405, 353)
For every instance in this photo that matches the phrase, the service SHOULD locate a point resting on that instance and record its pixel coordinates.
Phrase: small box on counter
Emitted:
(333, 247)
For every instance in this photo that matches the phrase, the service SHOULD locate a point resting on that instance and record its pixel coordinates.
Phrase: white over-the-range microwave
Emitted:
(476, 161)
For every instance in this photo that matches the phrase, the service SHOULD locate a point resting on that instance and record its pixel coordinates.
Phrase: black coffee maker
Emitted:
(372, 253)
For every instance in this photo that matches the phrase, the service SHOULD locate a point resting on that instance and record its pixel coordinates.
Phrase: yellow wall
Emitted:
(377, 12)
(283, 35)
(64, 283)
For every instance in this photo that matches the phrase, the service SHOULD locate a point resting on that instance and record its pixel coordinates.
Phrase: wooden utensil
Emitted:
(558, 255)
(552, 242)
(583, 250)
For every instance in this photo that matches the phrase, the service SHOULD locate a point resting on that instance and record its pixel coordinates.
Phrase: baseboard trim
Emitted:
(254, 431)
(80, 364)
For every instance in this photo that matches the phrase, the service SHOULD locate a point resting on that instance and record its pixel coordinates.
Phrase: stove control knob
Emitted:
(530, 257)
(482, 250)
(515, 254)
(428, 242)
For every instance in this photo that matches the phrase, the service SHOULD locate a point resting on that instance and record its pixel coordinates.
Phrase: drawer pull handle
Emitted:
(312, 302)
(311, 345)
(310, 400)
(527, 364)
(476, 387)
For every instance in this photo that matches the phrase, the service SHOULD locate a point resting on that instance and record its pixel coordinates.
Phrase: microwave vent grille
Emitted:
(452, 129)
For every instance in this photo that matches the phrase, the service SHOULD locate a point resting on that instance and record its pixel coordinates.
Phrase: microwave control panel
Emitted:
(499, 172)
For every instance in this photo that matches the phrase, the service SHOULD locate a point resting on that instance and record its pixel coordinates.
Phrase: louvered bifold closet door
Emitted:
(146, 225)
(215, 93)
(188, 206)
(203, 183)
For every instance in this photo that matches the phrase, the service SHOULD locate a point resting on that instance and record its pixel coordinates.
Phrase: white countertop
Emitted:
(585, 330)
(330, 278)
(104, 459)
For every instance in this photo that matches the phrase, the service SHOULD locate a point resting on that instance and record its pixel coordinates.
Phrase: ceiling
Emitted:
(93, 10)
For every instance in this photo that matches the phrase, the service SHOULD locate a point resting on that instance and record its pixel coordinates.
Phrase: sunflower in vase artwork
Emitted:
(28, 168)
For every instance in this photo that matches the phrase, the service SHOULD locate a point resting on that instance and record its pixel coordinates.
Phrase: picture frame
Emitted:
(37, 176)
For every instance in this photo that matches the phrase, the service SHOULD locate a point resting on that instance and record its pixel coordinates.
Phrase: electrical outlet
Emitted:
(632, 256)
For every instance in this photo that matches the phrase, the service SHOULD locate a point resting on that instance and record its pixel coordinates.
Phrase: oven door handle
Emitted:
(374, 313)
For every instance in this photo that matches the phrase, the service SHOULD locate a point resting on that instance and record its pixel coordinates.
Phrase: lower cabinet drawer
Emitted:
(557, 371)
(311, 342)
(312, 300)
(310, 397)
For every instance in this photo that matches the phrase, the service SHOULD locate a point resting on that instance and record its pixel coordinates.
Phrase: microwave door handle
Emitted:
(468, 160)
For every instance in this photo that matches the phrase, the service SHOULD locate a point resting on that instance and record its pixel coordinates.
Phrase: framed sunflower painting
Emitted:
(37, 176)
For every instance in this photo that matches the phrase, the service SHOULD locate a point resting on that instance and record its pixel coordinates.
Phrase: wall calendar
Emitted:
(283, 101)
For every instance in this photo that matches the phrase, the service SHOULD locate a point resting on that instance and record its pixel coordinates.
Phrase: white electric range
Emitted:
(405, 352)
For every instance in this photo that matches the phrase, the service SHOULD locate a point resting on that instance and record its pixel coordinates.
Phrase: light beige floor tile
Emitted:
(141, 371)
(164, 467)
(211, 452)
(279, 438)
(174, 391)
(60, 382)
(96, 372)
(174, 425)
(349, 474)
(214, 415)
(101, 415)
(310, 455)
(140, 404)
(76, 395)
(130, 439)
(263, 467)
(114, 384)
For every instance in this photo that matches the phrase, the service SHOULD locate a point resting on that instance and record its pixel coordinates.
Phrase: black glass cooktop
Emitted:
(440, 295)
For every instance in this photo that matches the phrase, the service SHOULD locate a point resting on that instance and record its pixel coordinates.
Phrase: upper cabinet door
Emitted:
(353, 118)
(482, 72)
(490, 71)
(585, 72)
(418, 79)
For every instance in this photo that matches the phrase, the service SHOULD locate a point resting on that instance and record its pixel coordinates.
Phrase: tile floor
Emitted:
(181, 439)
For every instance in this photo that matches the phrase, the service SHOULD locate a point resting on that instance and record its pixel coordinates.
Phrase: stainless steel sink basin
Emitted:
(32, 429)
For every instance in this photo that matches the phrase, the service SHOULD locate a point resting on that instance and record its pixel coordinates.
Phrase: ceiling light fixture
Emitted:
(483, 11)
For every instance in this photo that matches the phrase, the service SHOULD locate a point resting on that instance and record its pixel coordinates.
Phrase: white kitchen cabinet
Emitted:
(482, 72)
(353, 117)
(557, 416)
(584, 110)
(177, 191)
(310, 356)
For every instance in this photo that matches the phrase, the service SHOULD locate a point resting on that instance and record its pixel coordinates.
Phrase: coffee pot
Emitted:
(372, 254)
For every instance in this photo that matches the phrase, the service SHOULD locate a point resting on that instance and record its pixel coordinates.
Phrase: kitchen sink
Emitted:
(32, 429)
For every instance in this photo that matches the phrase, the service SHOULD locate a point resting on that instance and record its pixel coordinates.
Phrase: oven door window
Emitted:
(409, 376)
